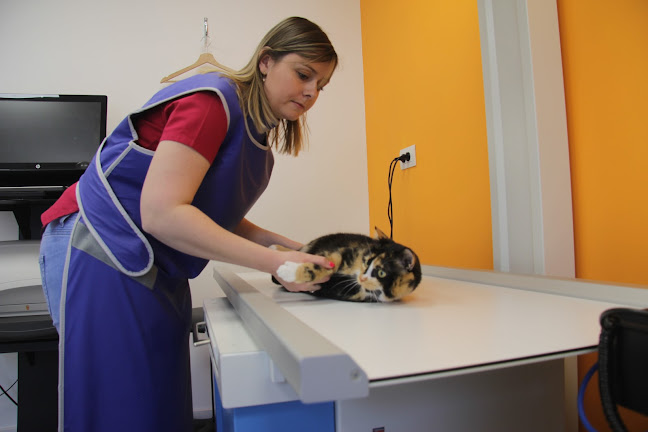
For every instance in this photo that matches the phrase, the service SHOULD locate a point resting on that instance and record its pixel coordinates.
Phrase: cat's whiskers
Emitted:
(374, 295)
(351, 283)
(346, 284)
(350, 286)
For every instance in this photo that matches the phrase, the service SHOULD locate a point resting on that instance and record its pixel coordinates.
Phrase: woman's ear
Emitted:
(265, 61)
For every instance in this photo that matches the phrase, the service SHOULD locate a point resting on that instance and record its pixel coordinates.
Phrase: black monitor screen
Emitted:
(50, 132)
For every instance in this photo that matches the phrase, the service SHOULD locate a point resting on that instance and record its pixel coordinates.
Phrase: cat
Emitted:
(366, 269)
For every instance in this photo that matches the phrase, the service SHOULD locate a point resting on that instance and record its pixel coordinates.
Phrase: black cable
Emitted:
(5, 392)
(608, 329)
(390, 178)
(390, 214)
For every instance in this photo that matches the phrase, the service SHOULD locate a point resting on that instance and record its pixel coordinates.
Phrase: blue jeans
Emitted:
(53, 250)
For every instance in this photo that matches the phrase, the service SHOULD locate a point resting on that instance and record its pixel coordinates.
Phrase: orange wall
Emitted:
(423, 87)
(605, 62)
(605, 59)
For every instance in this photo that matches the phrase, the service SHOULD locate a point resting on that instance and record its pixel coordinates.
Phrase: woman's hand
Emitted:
(301, 257)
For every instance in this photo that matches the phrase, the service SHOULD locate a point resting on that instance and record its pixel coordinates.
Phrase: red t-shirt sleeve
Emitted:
(197, 120)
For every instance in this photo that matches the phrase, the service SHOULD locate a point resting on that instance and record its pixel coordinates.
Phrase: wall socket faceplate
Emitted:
(412, 162)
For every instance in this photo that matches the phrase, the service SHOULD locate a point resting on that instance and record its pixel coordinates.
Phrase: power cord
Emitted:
(405, 157)
(6, 392)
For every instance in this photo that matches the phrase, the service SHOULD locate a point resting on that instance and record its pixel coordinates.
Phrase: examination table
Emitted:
(468, 350)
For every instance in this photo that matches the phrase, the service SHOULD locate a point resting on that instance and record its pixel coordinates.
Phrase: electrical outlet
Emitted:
(412, 162)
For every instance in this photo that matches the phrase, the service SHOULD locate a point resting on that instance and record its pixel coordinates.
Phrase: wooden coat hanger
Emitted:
(205, 58)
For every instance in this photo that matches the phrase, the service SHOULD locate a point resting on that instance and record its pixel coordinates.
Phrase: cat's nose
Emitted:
(362, 278)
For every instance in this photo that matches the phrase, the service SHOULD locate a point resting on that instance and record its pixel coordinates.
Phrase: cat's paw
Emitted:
(302, 272)
(288, 271)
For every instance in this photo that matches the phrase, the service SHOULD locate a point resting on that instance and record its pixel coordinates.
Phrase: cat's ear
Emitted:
(408, 259)
(378, 234)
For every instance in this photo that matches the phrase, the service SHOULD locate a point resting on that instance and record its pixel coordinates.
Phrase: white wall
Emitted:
(123, 48)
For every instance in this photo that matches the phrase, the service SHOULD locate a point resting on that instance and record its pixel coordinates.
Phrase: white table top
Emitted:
(446, 325)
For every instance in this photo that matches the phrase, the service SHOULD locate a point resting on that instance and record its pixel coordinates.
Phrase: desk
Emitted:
(466, 351)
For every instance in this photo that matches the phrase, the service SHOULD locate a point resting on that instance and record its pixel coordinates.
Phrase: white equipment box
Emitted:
(21, 292)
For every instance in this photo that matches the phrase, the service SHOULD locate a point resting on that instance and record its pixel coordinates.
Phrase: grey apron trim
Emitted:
(61, 364)
(83, 239)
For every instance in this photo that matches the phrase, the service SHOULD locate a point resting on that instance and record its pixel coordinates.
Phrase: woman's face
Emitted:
(292, 83)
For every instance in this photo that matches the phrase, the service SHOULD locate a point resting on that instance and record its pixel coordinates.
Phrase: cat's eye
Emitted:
(381, 273)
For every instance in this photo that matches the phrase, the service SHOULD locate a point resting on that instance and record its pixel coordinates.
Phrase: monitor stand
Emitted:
(27, 213)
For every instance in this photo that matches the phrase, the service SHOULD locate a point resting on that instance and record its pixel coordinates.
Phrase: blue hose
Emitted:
(581, 395)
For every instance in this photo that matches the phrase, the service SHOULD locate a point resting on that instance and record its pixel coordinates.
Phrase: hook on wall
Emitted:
(206, 41)
(206, 58)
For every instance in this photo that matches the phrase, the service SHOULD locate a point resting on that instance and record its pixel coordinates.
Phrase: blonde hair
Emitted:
(292, 35)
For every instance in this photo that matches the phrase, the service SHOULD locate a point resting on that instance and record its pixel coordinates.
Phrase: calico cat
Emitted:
(366, 269)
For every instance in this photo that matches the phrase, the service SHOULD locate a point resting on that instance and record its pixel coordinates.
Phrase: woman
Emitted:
(168, 191)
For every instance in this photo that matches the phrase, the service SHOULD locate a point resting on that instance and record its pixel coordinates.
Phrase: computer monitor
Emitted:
(48, 140)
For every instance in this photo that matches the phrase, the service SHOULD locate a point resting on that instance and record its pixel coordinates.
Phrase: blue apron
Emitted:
(125, 320)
